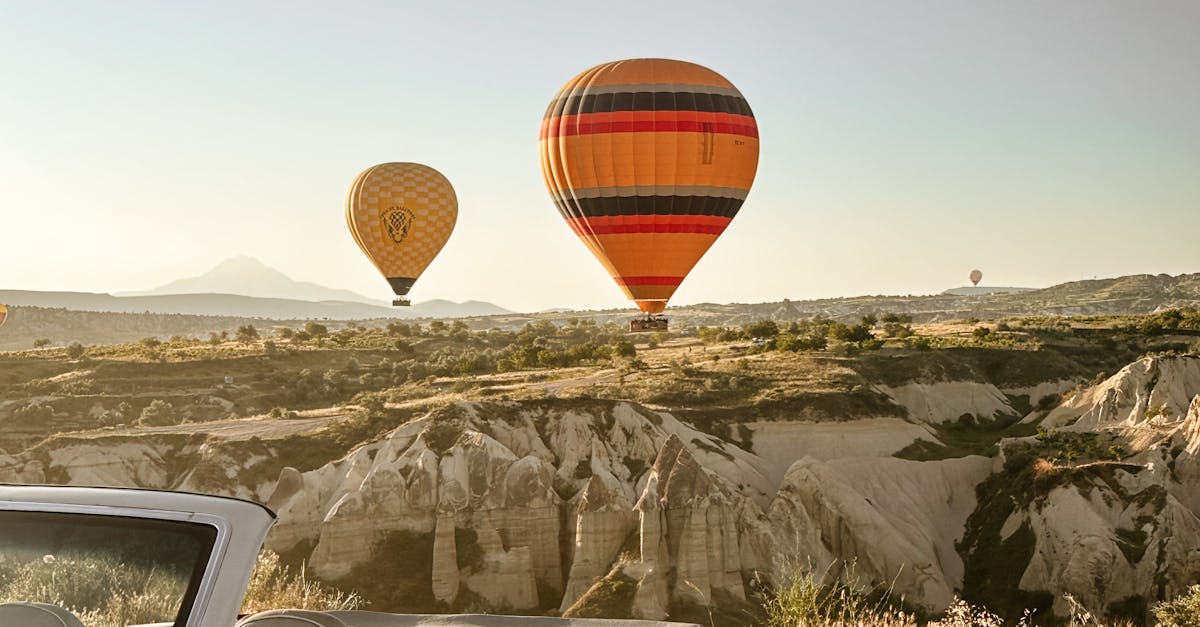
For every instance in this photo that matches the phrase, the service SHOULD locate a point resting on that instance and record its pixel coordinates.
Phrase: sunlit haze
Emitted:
(903, 144)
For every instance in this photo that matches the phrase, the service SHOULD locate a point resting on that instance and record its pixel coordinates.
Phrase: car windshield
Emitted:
(109, 571)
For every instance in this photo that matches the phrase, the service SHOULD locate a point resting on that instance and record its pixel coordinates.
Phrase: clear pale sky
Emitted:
(903, 143)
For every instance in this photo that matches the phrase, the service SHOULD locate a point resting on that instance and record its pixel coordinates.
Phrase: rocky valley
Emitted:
(1011, 463)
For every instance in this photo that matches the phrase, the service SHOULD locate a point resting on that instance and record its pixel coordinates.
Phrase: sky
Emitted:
(902, 143)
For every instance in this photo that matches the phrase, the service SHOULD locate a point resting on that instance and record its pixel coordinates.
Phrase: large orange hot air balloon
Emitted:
(976, 277)
(401, 215)
(648, 160)
(3, 314)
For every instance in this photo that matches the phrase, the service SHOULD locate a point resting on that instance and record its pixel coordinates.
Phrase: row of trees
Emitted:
(813, 334)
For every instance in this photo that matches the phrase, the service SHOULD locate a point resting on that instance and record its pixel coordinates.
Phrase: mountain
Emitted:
(248, 276)
(439, 308)
(244, 287)
(237, 306)
(984, 291)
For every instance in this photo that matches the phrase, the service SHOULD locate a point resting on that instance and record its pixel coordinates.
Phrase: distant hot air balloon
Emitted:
(3, 314)
(976, 276)
(648, 160)
(401, 215)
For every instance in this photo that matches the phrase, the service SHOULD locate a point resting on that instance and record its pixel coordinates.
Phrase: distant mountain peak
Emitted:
(244, 275)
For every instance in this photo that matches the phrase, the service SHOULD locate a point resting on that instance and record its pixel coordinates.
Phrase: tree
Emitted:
(761, 328)
(870, 320)
(158, 413)
(247, 334)
(75, 350)
(316, 330)
(856, 333)
(792, 342)
(214, 338)
(625, 348)
(41, 342)
(150, 342)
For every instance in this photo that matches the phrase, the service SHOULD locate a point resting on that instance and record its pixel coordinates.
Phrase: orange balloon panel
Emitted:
(648, 160)
(401, 215)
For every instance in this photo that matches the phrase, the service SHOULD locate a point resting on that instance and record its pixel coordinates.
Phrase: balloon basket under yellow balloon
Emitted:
(400, 301)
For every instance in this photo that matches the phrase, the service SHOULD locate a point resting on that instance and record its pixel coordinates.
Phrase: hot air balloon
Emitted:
(401, 215)
(976, 276)
(648, 160)
(3, 314)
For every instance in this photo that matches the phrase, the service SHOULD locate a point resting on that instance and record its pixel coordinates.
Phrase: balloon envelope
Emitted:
(3, 314)
(976, 276)
(648, 160)
(401, 215)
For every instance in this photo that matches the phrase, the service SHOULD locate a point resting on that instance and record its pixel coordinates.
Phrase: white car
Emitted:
(124, 557)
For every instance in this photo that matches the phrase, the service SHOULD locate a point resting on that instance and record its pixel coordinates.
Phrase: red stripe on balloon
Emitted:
(613, 225)
(631, 281)
(649, 122)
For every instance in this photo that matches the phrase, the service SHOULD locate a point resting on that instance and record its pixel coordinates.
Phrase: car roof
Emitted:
(135, 498)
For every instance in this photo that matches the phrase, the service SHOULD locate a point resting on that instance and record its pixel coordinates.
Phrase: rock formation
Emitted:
(538, 505)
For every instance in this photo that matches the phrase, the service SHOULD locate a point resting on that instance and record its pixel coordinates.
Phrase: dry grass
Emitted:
(274, 586)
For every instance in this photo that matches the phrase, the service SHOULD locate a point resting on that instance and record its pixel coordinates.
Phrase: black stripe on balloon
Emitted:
(649, 101)
(401, 285)
(651, 205)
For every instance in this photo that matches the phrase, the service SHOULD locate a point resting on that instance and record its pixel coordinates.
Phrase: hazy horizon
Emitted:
(902, 146)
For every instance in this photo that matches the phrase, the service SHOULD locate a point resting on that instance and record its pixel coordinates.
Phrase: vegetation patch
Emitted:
(396, 577)
(467, 548)
(610, 597)
(993, 565)
(965, 437)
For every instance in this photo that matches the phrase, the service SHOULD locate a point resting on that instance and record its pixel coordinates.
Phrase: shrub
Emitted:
(761, 328)
(272, 586)
(1181, 611)
(41, 342)
(856, 333)
(313, 329)
(920, 343)
(282, 413)
(158, 413)
(800, 599)
(75, 350)
(625, 348)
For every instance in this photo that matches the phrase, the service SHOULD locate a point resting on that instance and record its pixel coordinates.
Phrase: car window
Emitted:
(110, 571)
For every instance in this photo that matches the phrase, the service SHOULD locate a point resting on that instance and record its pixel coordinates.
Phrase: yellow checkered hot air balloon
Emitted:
(401, 215)
(648, 160)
